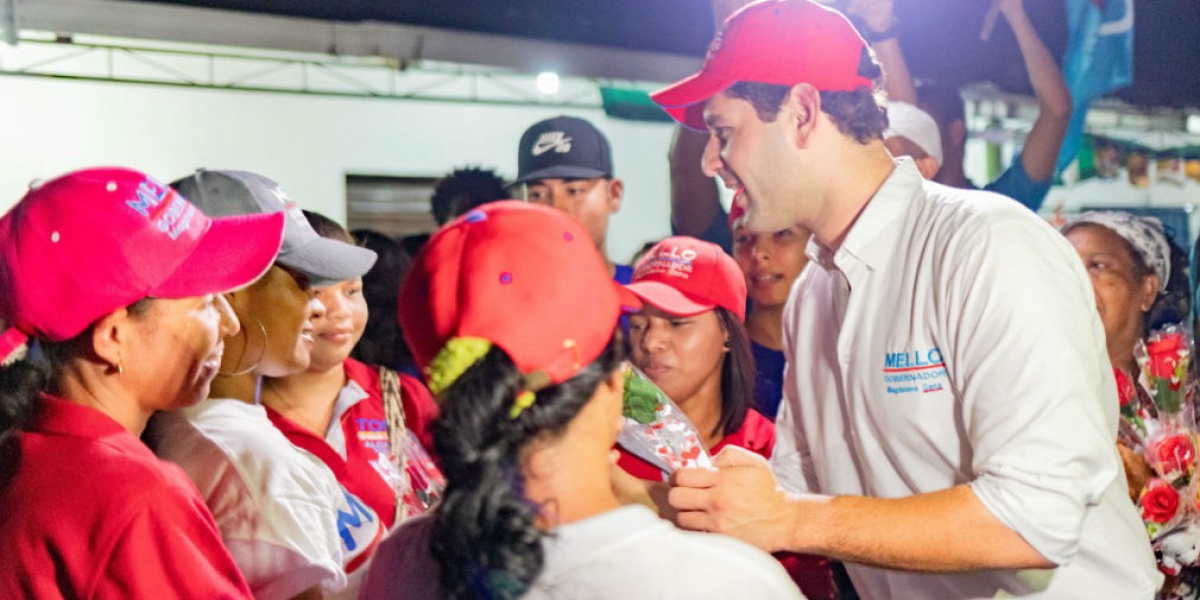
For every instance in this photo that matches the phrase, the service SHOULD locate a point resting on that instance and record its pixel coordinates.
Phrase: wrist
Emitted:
(806, 514)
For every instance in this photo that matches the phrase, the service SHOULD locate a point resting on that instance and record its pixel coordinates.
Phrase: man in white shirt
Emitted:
(949, 415)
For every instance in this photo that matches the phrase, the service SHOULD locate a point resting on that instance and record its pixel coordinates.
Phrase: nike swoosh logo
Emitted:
(541, 148)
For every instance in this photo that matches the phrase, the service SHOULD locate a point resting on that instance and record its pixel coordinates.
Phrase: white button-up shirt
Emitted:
(953, 339)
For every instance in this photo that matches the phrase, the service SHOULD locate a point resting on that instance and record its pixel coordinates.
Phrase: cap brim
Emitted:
(327, 261)
(562, 172)
(233, 253)
(684, 101)
(668, 299)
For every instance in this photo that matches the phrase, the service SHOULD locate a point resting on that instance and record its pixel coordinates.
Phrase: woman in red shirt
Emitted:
(119, 280)
(335, 409)
(690, 339)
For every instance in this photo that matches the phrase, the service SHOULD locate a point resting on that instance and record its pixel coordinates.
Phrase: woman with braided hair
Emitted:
(512, 315)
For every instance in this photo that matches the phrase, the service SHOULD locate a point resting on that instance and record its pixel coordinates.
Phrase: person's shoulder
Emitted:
(403, 562)
(632, 553)
(103, 474)
(227, 444)
(756, 434)
(979, 217)
(720, 563)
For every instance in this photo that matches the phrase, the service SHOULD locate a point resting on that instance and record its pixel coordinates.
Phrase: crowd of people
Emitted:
(909, 387)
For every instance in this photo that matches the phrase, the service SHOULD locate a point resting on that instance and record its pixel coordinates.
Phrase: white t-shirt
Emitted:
(286, 520)
(953, 339)
(627, 553)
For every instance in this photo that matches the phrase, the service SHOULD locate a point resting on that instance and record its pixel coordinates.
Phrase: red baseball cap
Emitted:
(525, 277)
(685, 276)
(783, 42)
(80, 246)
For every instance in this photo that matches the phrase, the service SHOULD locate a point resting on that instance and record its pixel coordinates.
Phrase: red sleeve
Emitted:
(756, 435)
(639, 468)
(170, 549)
(420, 410)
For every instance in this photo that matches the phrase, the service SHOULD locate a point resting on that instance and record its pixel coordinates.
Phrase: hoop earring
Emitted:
(262, 352)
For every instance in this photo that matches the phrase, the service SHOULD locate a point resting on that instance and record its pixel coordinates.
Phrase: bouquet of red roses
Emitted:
(1158, 423)
(655, 429)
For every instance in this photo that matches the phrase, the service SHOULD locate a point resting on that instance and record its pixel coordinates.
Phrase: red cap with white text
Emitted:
(685, 276)
(783, 42)
(81, 246)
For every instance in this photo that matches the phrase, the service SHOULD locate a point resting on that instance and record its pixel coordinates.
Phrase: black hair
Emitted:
(23, 380)
(382, 342)
(1174, 303)
(857, 113)
(737, 374)
(464, 189)
(326, 227)
(483, 535)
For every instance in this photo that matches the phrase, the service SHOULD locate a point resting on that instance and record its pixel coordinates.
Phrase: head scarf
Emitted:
(1144, 234)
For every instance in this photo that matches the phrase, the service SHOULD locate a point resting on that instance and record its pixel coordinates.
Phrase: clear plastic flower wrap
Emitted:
(424, 480)
(655, 429)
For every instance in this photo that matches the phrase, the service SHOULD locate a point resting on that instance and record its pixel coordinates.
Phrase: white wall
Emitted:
(307, 143)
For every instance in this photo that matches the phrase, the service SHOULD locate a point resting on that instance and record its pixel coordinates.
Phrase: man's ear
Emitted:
(1149, 291)
(616, 192)
(109, 336)
(802, 109)
(928, 166)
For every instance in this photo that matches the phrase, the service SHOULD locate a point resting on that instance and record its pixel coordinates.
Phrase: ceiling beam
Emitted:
(147, 20)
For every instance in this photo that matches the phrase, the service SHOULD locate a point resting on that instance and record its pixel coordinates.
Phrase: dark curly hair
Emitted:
(464, 189)
(857, 113)
(483, 534)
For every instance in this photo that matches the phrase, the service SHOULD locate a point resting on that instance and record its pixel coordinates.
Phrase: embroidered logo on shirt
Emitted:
(916, 371)
(372, 433)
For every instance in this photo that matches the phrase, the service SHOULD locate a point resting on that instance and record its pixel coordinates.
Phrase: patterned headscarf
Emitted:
(1144, 234)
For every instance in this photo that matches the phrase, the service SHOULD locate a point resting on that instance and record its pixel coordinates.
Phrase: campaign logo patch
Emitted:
(919, 371)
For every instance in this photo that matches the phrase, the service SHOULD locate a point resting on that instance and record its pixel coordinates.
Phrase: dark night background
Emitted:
(939, 37)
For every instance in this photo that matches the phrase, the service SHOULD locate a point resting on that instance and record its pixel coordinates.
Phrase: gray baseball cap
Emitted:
(226, 193)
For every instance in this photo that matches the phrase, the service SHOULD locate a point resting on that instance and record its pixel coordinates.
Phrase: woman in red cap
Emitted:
(512, 315)
(690, 340)
(118, 279)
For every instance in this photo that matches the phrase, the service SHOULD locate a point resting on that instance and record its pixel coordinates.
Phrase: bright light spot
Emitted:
(1193, 123)
(547, 83)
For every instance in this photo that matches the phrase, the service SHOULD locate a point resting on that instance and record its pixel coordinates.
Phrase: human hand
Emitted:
(877, 15)
(739, 498)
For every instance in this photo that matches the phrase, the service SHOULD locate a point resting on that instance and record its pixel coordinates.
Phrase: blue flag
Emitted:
(1099, 60)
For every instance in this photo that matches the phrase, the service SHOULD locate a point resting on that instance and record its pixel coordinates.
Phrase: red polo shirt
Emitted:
(757, 434)
(90, 512)
(356, 447)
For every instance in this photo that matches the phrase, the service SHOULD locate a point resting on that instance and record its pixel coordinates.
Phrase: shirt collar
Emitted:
(62, 417)
(350, 395)
(877, 224)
